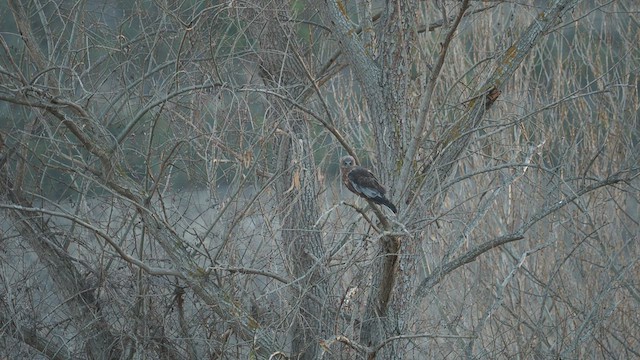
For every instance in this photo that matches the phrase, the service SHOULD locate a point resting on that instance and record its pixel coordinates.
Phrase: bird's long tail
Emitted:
(384, 201)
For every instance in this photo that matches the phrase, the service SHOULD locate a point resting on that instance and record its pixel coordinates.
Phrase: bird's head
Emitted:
(347, 161)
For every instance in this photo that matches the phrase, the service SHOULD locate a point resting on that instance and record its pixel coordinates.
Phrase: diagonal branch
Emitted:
(123, 255)
(457, 138)
(220, 301)
(418, 135)
(444, 269)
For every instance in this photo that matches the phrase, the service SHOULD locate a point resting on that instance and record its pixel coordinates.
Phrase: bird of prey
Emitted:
(363, 183)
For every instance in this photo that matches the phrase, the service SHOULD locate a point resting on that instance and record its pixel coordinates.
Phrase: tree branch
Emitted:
(126, 257)
(418, 134)
(453, 143)
(443, 270)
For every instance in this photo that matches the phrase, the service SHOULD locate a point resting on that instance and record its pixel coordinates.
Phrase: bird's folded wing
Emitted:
(364, 182)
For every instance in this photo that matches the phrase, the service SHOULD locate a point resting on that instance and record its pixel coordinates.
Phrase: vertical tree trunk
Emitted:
(385, 86)
(299, 209)
(282, 71)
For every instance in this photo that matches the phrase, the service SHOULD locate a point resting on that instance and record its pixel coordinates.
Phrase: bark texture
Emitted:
(283, 72)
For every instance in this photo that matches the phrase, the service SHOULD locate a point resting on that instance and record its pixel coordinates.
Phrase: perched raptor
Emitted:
(363, 183)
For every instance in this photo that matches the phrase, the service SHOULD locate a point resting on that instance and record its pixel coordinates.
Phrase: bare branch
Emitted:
(441, 271)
